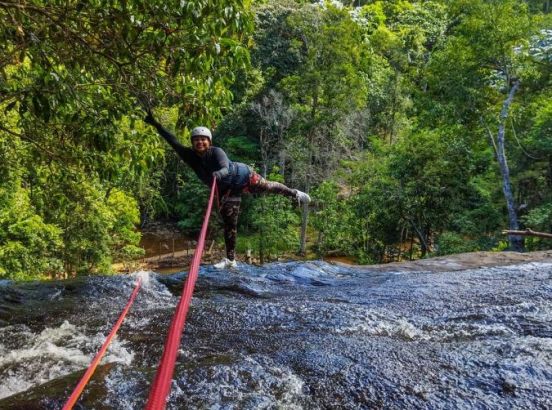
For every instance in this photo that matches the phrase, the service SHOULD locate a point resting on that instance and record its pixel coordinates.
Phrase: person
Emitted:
(233, 179)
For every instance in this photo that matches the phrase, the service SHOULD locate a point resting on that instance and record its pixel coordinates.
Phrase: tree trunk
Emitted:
(264, 153)
(264, 170)
(304, 220)
(401, 240)
(262, 241)
(282, 163)
(423, 248)
(423, 238)
(261, 247)
(411, 245)
(516, 243)
(550, 170)
(305, 213)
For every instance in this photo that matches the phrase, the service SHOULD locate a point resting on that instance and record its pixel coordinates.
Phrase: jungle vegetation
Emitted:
(418, 127)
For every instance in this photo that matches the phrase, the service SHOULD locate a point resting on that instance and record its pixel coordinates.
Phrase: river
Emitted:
(289, 336)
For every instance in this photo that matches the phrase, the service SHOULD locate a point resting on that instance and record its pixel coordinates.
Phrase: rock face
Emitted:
(467, 331)
(463, 261)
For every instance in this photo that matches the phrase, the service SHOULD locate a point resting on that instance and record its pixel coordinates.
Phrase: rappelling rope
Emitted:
(162, 382)
(88, 374)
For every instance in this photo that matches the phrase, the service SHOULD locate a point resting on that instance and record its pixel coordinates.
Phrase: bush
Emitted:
(450, 242)
(539, 219)
(29, 247)
(273, 224)
(333, 220)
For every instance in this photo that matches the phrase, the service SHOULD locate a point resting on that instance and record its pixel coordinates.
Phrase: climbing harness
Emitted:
(90, 371)
(162, 382)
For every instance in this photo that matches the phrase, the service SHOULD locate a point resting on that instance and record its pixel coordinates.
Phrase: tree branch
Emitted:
(519, 142)
(490, 136)
(44, 12)
(528, 232)
(29, 140)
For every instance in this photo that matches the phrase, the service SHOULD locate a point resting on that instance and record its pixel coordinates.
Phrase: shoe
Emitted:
(225, 264)
(302, 197)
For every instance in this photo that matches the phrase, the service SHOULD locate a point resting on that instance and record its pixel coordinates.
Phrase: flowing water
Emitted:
(288, 336)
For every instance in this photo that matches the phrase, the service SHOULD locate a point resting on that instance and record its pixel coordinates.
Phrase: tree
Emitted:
(328, 84)
(334, 220)
(275, 119)
(74, 80)
(414, 187)
(485, 44)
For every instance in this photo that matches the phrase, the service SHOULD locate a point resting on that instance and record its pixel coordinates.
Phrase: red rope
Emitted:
(88, 374)
(162, 382)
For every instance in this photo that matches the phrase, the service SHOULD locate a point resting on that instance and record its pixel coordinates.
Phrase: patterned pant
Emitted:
(230, 207)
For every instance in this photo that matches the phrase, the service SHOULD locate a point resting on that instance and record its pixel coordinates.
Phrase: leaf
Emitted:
(10, 106)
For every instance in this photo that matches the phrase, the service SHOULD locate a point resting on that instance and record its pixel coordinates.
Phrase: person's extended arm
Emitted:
(170, 138)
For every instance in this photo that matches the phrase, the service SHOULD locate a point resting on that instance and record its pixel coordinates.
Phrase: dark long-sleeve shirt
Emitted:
(234, 175)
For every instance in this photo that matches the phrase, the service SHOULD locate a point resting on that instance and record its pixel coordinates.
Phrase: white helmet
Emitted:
(203, 132)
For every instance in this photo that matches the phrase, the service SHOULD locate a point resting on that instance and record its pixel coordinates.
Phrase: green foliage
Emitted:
(502, 246)
(96, 224)
(272, 40)
(437, 73)
(432, 169)
(189, 205)
(450, 243)
(376, 205)
(29, 247)
(74, 82)
(539, 219)
(414, 190)
(381, 109)
(485, 45)
(157, 50)
(540, 134)
(242, 148)
(333, 220)
(274, 221)
(125, 217)
(317, 63)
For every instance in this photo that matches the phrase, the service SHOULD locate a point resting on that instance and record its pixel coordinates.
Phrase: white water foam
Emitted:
(249, 383)
(144, 275)
(52, 353)
(374, 324)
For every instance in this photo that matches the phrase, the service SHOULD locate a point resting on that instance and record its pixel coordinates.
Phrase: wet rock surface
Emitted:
(291, 335)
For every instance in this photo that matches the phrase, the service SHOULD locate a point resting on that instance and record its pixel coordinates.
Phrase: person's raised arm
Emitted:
(170, 138)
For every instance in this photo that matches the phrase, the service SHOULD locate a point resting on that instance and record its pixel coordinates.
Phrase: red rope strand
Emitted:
(162, 382)
(90, 371)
